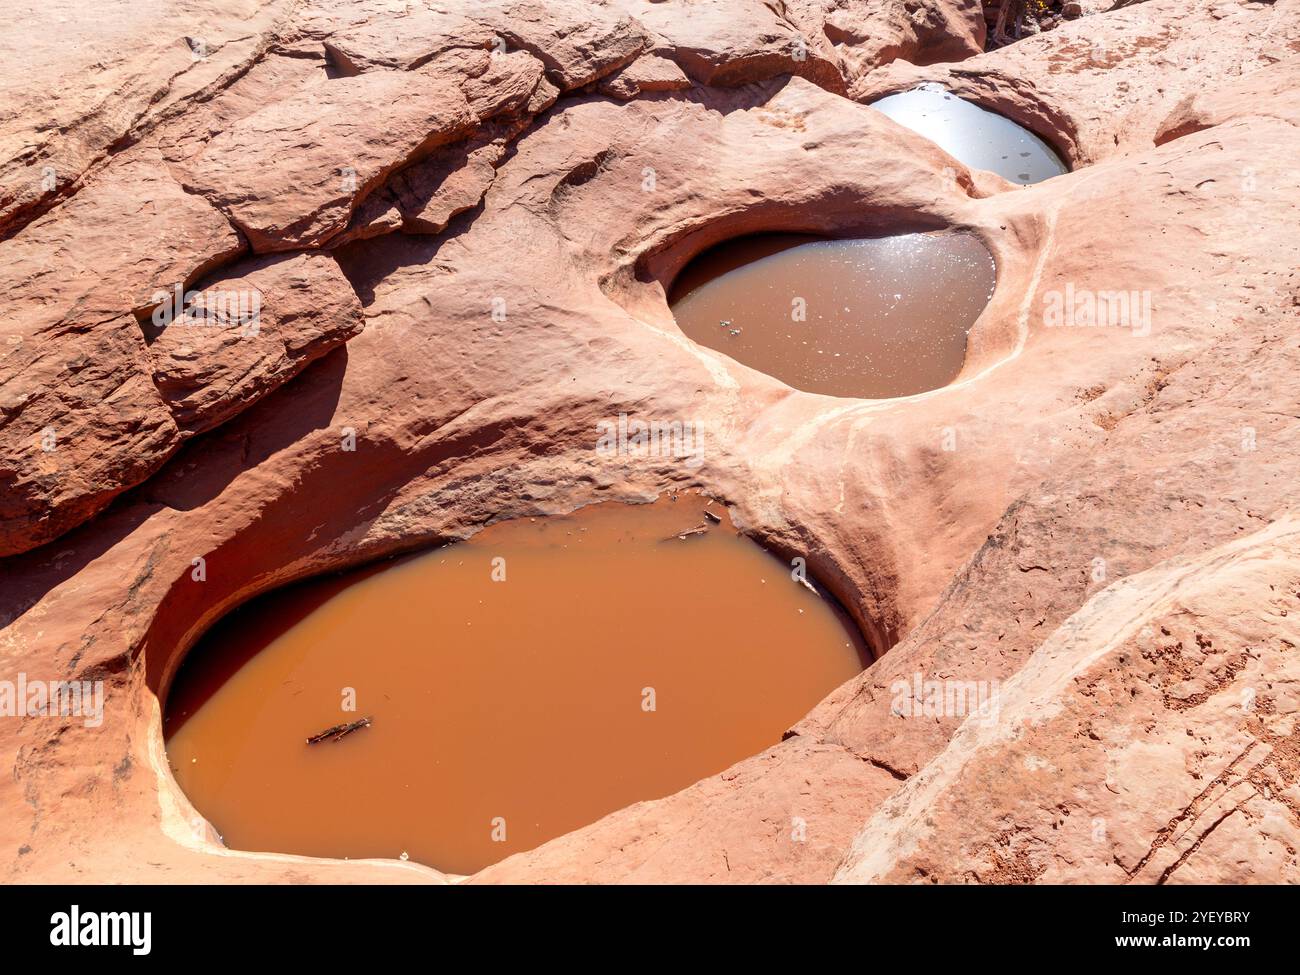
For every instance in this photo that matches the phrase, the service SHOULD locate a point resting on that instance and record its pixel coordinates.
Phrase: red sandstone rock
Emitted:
(406, 41)
(73, 369)
(289, 175)
(1269, 93)
(1142, 741)
(646, 73)
(734, 42)
(74, 84)
(578, 42)
(82, 422)
(105, 252)
(506, 85)
(716, 47)
(868, 33)
(275, 316)
(1111, 537)
(429, 195)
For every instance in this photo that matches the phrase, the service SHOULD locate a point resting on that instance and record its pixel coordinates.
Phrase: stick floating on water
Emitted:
(339, 731)
(688, 533)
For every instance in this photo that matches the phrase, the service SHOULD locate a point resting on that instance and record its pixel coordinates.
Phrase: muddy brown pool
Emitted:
(615, 662)
(868, 317)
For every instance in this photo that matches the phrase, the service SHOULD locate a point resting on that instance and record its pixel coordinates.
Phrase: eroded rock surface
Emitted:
(1098, 520)
(290, 175)
(76, 85)
(254, 327)
(73, 368)
(1150, 689)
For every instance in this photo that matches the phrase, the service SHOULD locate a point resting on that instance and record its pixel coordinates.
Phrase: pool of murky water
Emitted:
(870, 317)
(516, 686)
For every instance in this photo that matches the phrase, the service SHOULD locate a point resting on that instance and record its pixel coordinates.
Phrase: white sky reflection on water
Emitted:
(973, 135)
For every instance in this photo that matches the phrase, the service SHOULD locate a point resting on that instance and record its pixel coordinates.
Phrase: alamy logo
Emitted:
(671, 439)
(921, 698)
(74, 929)
(215, 308)
(25, 698)
(1081, 308)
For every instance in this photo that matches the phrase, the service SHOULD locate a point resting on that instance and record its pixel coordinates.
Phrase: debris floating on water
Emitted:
(339, 731)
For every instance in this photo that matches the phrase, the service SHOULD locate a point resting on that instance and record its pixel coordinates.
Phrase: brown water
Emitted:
(520, 701)
(881, 317)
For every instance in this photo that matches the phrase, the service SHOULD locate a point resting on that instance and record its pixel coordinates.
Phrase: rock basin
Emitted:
(872, 317)
(974, 135)
(518, 686)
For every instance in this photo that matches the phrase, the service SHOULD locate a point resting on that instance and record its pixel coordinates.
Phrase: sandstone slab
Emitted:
(290, 175)
(248, 331)
(73, 370)
(577, 42)
(647, 73)
(74, 85)
(404, 42)
(1159, 711)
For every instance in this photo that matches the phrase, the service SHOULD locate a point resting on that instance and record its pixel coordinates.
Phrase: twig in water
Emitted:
(339, 731)
(689, 533)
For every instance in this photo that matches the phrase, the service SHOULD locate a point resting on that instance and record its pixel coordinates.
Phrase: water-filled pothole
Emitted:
(973, 135)
(868, 317)
(603, 660)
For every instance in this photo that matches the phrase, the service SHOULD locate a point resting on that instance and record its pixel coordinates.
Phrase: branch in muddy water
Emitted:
(689, 533)
(339, 731)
